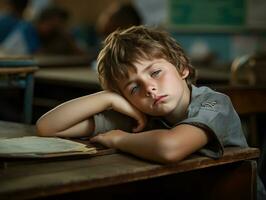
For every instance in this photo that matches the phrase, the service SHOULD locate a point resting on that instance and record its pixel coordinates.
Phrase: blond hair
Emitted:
(123, 48)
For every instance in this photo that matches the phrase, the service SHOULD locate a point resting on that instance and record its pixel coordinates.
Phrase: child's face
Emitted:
(156, 87)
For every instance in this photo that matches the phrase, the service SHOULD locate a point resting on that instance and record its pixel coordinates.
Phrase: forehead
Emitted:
(145, 64)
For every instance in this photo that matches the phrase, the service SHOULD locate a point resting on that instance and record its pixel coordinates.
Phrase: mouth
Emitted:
(159, 99)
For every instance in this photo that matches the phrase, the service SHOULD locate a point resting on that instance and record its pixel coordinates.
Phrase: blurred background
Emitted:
(213, 33)
(48, 50)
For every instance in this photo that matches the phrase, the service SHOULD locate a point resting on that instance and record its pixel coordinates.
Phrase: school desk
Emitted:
(64, 60)
(122, 176)
(249, 101)
(18, 72)
(83, 77)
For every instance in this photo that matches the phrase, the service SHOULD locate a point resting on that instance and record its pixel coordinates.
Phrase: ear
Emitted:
(184, 73)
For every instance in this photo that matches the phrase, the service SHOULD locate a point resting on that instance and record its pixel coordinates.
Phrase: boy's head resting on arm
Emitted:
(128, 52)
(123, 48)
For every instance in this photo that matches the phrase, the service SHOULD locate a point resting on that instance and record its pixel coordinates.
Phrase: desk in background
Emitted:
(18, 72)
(45, 61)
(82, 77)
(121, 176)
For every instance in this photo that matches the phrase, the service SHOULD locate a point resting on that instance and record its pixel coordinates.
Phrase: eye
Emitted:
(156, 73)
(134, 89)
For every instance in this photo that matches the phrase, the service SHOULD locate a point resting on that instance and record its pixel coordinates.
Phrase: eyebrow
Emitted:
(145, 69)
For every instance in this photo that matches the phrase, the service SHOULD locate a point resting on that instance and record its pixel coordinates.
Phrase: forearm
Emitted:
(82, 129)
(72, 112)
(150, 145)
(164, 146)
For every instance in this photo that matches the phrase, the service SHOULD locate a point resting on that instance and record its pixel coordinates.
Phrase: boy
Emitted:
(146, 76)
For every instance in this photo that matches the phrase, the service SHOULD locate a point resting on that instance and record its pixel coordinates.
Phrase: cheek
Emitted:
(168, 79)
(175, 76)
(171, 83)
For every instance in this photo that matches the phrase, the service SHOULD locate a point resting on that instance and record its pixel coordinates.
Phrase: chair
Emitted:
(249, 69)
(17, 72)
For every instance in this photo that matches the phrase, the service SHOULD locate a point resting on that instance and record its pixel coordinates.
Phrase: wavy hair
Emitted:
(123, 48)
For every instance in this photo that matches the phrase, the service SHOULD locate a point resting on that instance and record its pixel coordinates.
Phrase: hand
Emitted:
(120, 104)
(110, 138)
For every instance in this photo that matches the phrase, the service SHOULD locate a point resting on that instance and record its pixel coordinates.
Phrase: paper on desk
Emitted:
(41, 145)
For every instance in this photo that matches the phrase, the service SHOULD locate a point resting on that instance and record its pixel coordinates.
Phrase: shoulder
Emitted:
(204, 98)
(204, 93)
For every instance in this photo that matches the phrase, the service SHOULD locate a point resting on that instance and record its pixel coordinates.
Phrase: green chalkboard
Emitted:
(207, 13)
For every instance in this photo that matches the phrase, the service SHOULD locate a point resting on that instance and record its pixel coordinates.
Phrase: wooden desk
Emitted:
(246, 99)
(121, 176)
(64, 60)
(212, 75)
(19, 73)
(82, 77)
(249, 101)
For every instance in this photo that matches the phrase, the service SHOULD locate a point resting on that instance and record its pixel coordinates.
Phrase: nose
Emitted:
(150, 90)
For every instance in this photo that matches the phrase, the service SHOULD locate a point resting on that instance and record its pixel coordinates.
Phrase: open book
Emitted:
(42, 147)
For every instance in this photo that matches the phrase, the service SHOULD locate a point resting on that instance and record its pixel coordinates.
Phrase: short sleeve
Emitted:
(111, 120)
(215, 114)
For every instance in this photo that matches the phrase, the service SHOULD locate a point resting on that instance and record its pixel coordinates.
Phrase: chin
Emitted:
(169, 110)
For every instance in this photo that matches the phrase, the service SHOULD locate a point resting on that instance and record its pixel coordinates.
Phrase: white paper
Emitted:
(39, 145)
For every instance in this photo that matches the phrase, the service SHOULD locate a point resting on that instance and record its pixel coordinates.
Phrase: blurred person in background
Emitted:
(17, 36)
(55, 39)
(117, 15)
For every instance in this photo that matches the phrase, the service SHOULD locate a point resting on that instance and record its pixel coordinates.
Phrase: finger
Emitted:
(137, 129)
(96, 138)
(141, 125)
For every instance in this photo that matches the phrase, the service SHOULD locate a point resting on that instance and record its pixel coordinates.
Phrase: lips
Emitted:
(159, 99)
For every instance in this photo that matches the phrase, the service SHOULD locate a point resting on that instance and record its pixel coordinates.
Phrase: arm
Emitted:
(158, 145)
(74, 118)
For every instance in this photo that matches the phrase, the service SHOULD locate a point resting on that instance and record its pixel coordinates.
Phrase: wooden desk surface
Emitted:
(64, 60)
(77, 76)
(18, 70)
(41, 178)
(246, 99)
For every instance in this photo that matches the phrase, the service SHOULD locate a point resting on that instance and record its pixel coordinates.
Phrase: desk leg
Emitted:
(28, 98)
